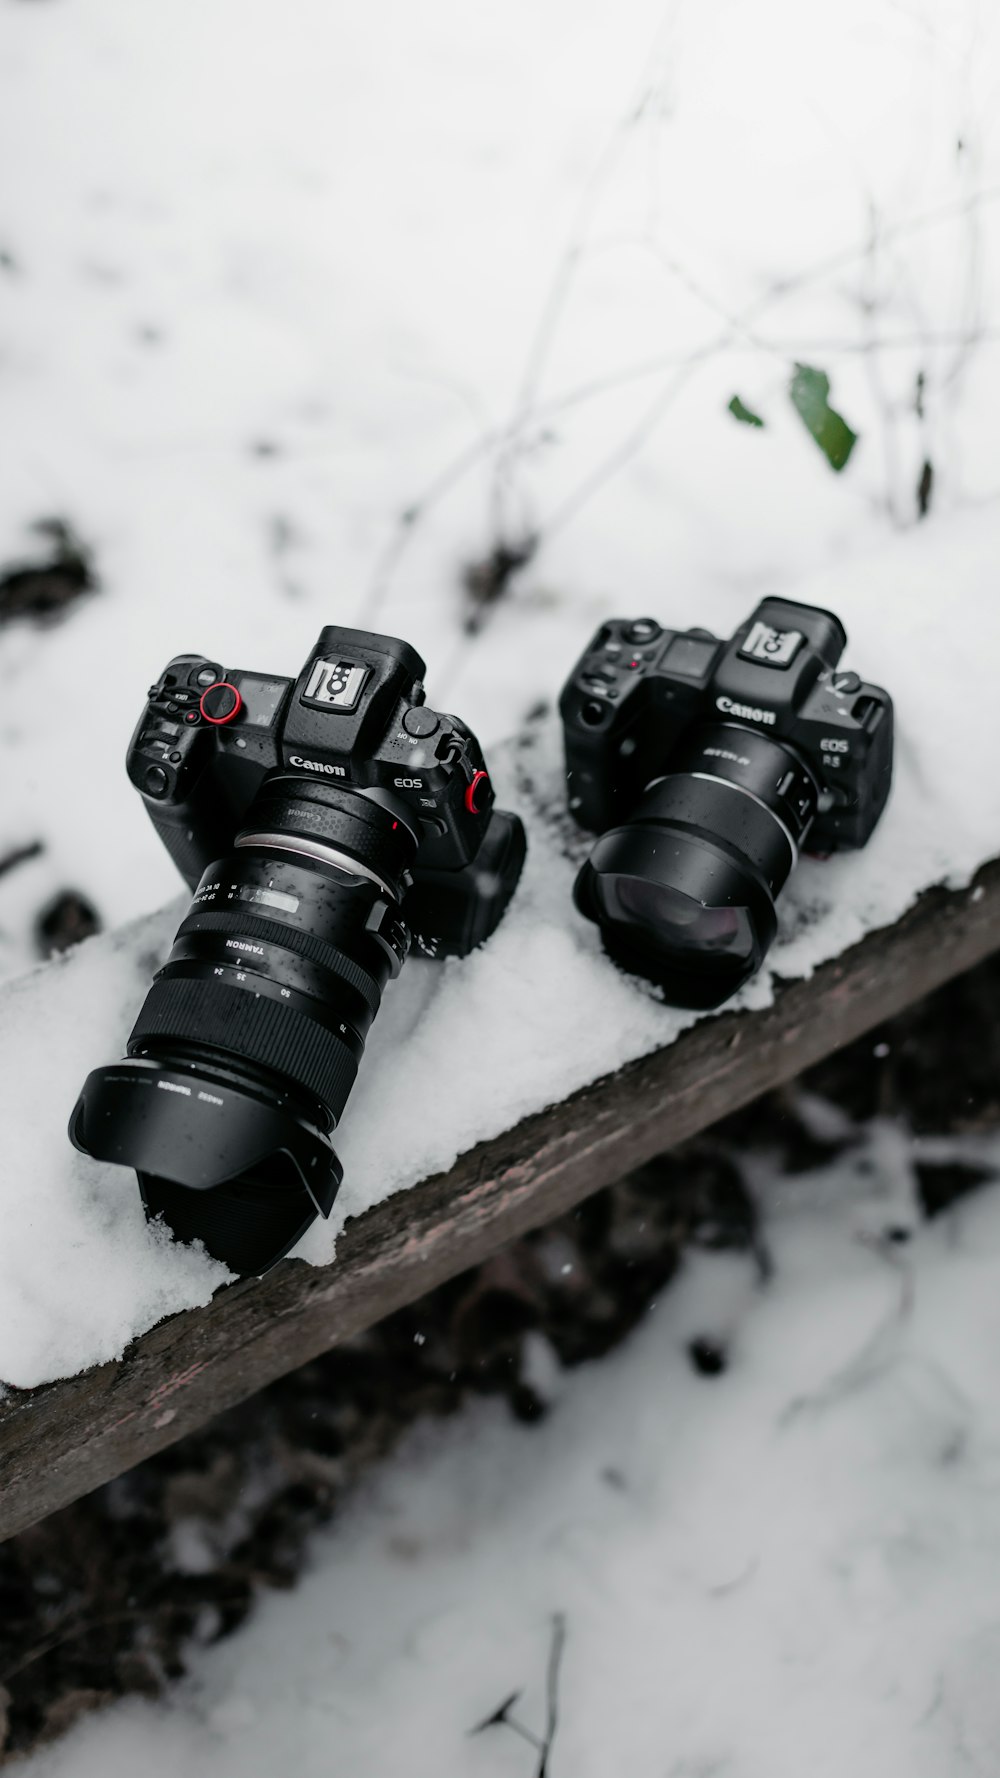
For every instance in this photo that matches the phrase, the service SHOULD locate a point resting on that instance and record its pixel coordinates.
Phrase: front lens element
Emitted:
(675, 922)
(684, 892)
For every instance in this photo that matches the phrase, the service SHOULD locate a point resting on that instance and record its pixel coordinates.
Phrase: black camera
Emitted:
(321, 822)
(704, 765)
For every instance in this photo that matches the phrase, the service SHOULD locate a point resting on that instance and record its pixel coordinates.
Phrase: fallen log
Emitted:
(62, 1439)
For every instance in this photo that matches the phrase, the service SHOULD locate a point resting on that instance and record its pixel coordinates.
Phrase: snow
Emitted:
(533, 1015)
(787, 1567)
(263, 290)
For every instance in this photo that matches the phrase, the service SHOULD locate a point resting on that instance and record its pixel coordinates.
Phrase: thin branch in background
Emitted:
(501, 1717)
(621, 455)
(447, 478)
(509, 439)
(643, 106)
(870, 302)
(778, 291)
(967, 149)
(493, 574)
(880, 399)
(472, 454)
(556, 1648)
(925, 488)
(21, 855)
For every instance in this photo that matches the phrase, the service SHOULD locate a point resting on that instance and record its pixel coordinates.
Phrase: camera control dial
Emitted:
(421, 721)
(477, 793)
(220, 702)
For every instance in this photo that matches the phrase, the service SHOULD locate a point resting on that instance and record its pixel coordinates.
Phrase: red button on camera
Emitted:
(472, 792)
(220, 702)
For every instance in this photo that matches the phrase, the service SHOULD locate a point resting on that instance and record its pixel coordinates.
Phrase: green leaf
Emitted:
(809, 390)
(740, 411)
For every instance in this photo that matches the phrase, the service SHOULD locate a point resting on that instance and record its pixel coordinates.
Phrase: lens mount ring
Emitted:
(316, 849)
(741, 790)
(306, 813)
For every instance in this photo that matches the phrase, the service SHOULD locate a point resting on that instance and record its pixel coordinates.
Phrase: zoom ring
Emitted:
(265, 1031)
(305, 944)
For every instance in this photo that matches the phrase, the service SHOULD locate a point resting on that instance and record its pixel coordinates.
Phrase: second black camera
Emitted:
(705, 766)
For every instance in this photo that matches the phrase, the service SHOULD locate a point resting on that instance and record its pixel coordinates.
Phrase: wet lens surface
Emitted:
(675, 922)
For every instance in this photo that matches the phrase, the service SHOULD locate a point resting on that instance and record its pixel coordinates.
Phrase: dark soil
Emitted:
(43, 590)
(68, 918)
(105, 1598)
(486, 581)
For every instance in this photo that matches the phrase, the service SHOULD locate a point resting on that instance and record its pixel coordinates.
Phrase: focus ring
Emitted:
(251, 1025)
(237, 925)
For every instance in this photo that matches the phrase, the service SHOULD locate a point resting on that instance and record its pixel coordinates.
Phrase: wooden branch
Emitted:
(61, 1440)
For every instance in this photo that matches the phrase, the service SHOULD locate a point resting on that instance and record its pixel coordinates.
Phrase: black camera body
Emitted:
(719, 759)
(355, 718)
(637, 688)
(320, 822)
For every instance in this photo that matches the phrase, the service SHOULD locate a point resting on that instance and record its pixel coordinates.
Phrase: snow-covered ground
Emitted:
(787, 1568)
(266, 285)
(266, 282)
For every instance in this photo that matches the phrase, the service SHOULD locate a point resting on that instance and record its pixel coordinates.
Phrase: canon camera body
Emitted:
(321, 822)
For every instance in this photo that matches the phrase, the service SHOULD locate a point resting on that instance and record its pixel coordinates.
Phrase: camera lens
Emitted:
(245, 1050)
(684, 892)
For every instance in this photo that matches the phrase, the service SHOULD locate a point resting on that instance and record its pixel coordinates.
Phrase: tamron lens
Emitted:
(322, 823)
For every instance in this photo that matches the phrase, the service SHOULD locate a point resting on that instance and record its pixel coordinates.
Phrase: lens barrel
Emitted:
(684, 892)
(247, 1045)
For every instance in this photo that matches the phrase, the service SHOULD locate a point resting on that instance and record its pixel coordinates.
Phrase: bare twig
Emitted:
(556, 1648)
(21, 855)
(502, 1718)
(642, 107)
(511, 441)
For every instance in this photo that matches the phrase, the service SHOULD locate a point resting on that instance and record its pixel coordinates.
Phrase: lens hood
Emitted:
(221, 1161)
(680, 909)
(684, 891)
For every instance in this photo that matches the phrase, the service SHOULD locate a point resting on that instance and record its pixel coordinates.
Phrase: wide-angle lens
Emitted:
(684, 892)
(692, 927)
